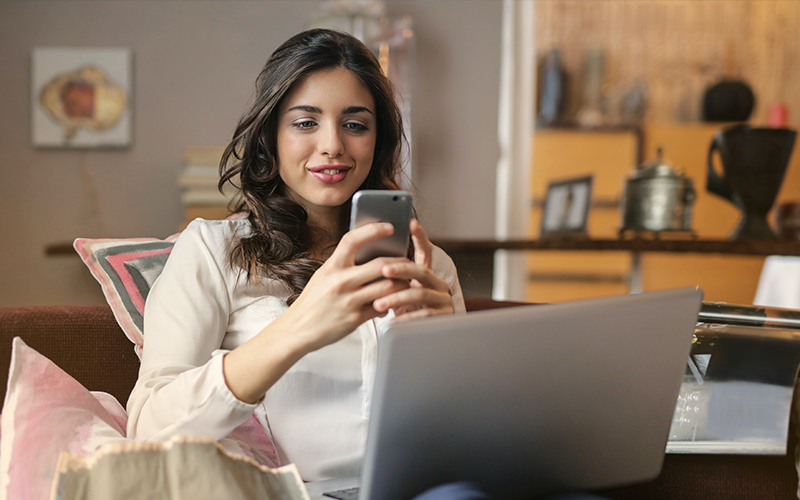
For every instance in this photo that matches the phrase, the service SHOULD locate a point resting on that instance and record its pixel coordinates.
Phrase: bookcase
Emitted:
(611, 155)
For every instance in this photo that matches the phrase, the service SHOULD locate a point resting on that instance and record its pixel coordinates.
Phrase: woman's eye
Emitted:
(304, 125)
(356, 127)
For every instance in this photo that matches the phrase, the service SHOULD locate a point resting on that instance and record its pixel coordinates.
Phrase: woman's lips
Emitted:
(329, 174)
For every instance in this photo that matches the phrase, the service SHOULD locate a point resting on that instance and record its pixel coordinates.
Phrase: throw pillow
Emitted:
(126, 269)
(46, 411)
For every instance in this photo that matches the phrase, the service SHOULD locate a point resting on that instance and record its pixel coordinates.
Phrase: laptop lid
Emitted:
(529, 400)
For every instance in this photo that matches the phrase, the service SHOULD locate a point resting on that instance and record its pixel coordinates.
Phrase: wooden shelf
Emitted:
(731, 247)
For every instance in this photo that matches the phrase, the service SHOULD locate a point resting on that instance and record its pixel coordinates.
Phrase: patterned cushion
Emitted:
(126, 269)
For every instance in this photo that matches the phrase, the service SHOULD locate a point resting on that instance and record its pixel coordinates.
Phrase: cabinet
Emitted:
(556, 276)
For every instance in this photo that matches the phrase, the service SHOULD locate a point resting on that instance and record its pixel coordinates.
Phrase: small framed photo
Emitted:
(81, 97)
(566, 207)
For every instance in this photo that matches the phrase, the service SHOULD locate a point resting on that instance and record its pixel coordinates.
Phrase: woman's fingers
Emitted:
(357, 276)
(374, 291)
(345, 253)
(415, 299)
(423, 248)
(413, 271)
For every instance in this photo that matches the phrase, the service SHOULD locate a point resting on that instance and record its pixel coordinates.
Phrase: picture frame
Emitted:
(81, 98)
(566, 207)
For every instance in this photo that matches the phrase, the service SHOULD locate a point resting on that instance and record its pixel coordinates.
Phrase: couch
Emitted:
(87, 343)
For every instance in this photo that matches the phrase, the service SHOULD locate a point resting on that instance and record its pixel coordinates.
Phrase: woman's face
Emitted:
(326, 139)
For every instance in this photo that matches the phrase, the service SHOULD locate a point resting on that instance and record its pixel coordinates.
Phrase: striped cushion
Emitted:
(126, 269)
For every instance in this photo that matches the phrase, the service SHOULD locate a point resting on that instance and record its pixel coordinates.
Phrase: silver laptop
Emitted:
(527, 401)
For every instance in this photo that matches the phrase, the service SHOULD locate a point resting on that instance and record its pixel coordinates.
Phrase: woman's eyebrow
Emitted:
(346, 111)
(306, 108)
(355, 109)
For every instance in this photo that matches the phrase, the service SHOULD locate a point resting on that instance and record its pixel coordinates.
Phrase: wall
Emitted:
(194, 67)
(679, 48)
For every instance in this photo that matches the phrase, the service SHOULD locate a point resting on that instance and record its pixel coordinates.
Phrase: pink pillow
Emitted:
(126, 269)
(46, 412)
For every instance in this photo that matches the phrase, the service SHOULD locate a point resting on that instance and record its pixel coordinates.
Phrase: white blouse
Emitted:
(199, 308)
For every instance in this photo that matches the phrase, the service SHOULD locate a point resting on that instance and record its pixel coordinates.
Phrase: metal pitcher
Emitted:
(657, 198)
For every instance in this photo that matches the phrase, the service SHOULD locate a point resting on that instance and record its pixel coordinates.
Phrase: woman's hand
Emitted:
(339, 296)
(337, 299)
(427, 294)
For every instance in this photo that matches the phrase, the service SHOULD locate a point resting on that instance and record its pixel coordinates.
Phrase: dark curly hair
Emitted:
(280, 243)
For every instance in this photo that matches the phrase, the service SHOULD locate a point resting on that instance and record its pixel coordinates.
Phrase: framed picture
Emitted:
(81, 98)
(566, 207)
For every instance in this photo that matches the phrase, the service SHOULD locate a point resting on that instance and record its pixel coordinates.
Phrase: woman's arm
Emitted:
(336, 300)
(181, 388)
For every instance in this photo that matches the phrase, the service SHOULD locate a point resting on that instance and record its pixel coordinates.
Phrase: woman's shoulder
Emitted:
(212, 230)
(214, 235)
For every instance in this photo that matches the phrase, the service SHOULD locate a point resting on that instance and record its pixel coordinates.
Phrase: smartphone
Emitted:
(382, 206)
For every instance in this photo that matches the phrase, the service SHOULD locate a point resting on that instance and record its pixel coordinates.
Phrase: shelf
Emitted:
(732, 247)
(636, 247)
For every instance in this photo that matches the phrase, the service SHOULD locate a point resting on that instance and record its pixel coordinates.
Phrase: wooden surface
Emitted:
(678, 48)
(728, 247)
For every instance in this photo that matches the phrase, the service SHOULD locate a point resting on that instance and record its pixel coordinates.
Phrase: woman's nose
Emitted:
(330, 142)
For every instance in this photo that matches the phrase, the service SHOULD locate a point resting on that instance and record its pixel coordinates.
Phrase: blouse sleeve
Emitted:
(181, 387)
(443, 266)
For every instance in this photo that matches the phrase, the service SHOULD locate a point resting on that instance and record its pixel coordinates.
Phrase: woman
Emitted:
(268, 315)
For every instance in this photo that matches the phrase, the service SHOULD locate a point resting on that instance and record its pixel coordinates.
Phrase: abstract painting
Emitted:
(81, 97)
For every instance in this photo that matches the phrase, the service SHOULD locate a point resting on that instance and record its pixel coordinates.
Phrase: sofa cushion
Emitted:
(84, 341)
(46, 412)
(126, 269)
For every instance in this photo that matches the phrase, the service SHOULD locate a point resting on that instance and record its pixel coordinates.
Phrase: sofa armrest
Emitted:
(85, 341)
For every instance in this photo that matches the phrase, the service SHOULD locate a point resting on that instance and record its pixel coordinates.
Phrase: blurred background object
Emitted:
(590, 114)
(787, 220)
(678, 49)
(754, 162)
(728, 101)
(657, 198)
(552, 83)
(778, 115)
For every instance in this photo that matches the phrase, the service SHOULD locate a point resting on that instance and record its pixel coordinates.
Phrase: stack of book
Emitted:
(198, 181)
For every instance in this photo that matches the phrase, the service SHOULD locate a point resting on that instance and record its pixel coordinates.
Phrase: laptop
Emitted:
(528, 400)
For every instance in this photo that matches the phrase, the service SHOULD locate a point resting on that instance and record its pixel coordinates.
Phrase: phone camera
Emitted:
(395, 198)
